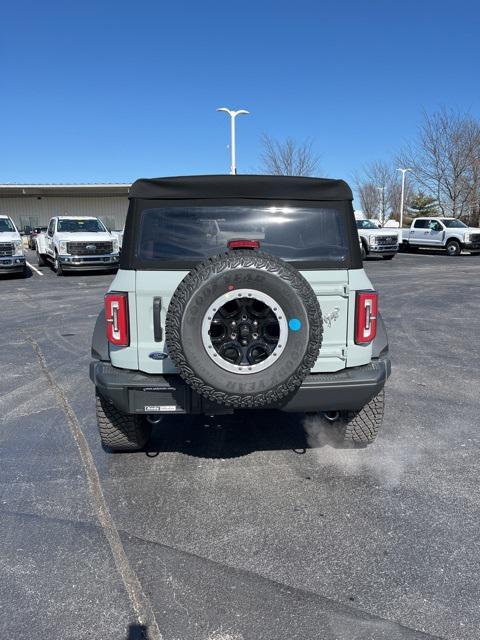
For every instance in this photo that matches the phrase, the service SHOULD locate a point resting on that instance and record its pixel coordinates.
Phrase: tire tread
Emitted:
(229, 261)
(361, 427)
(120, 431)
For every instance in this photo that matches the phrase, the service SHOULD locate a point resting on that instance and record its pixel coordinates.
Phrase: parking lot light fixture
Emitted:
(233, 115)
(402, 199)
(382, 204)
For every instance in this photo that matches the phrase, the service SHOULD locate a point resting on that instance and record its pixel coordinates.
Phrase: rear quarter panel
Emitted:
(126, 357)
(356, 354)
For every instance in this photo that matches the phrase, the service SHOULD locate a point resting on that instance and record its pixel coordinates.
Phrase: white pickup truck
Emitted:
(77, 243)
(12, 257)
(377, 241)
(450, 234)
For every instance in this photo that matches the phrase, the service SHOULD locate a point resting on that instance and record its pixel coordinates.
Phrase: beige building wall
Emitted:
(37, 210)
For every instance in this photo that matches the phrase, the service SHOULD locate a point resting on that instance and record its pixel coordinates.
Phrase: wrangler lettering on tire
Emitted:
(228, 329)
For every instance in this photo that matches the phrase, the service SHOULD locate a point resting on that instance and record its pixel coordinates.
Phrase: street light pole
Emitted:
(233, 115)
(402, 199)
(382, 214)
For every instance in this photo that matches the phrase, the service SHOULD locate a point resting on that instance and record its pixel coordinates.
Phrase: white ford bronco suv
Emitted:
(77, 243)
(239, 292)
(12, 257)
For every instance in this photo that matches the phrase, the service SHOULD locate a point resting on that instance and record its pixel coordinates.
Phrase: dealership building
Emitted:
(32, 205)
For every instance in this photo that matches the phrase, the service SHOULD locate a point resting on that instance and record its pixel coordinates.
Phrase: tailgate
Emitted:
(330, 287)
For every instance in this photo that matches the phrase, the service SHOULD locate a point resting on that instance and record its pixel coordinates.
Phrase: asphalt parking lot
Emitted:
(243, 527)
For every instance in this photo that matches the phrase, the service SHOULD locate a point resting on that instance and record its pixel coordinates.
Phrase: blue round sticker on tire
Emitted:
(294, 324)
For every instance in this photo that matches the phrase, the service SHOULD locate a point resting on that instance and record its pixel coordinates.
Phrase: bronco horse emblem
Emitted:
(331, 317)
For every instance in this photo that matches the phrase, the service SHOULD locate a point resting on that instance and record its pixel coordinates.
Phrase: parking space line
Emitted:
(34, 268)
(140, 601)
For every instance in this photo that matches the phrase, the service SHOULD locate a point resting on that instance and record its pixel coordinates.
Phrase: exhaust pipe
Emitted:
(331, 416)
(154, 419)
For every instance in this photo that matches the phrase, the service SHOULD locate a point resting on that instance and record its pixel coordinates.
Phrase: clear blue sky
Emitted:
(110, 91)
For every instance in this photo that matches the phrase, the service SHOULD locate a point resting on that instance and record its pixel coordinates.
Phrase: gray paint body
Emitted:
(335, 290)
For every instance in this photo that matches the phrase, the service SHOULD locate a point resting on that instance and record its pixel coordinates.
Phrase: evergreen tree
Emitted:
(422, 205)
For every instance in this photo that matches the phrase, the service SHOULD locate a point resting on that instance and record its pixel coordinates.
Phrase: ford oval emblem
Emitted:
(90, 247)
(158, 355)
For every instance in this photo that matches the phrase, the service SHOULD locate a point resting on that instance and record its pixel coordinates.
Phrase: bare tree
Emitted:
(473, 216)
(288, 157)
(379, 190)
(445, 160)
(369, 199)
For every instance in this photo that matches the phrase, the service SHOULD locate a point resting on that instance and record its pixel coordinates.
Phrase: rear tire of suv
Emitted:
(120, 431)
(360, 428)
(250, 351)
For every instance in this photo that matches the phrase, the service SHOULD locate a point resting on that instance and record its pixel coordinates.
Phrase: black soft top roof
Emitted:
(244, 186)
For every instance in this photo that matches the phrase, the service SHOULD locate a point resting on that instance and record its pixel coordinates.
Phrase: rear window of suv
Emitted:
(303, 234)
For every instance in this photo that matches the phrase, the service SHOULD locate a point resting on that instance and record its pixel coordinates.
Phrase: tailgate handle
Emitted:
(157, 325)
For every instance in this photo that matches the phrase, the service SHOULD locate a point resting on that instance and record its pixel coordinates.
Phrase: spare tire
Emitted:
(244, 329)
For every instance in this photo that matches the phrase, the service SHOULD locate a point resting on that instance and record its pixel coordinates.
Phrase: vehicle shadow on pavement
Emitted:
(440, 252)
(229, 436)
(137, 632)
(17, 276)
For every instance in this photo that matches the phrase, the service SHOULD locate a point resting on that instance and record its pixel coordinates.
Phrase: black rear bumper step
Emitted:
(142, 393)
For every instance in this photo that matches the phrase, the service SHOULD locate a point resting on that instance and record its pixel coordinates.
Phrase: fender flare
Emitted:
(380, 343)
(100, 350)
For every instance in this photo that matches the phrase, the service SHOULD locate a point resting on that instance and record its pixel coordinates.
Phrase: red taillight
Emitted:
(366, 317)
(116, 316)
(243, 244)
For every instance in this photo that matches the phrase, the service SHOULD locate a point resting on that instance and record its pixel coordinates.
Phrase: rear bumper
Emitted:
(12, 264)
(137, 392)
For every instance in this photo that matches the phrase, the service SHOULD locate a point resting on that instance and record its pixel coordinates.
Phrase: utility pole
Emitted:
(233, 115)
